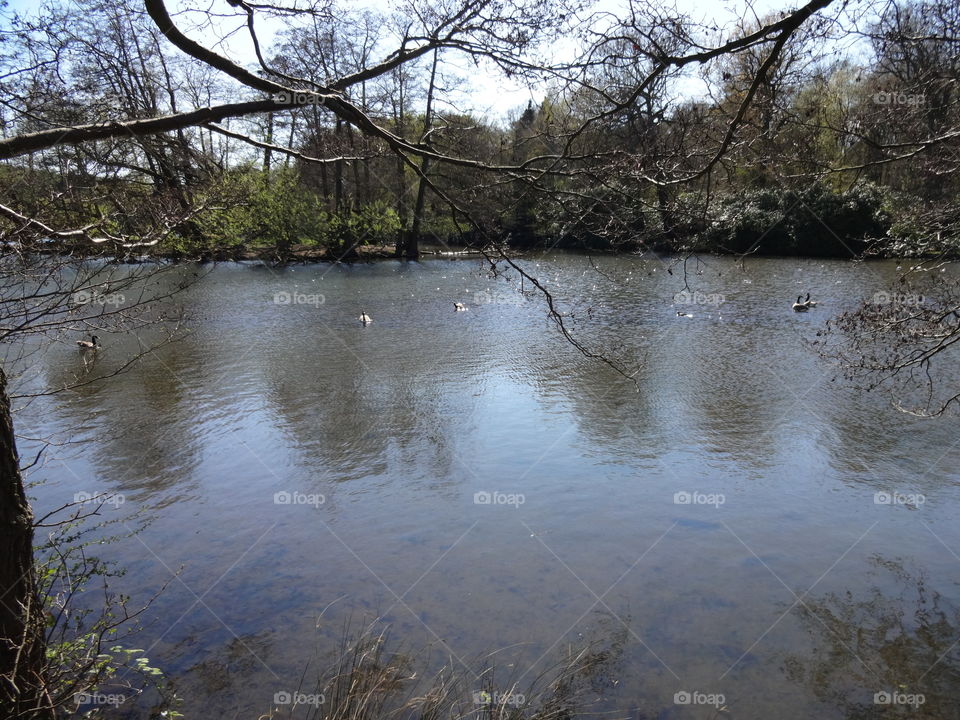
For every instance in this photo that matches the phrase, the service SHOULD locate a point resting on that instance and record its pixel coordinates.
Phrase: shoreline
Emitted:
(302, 254)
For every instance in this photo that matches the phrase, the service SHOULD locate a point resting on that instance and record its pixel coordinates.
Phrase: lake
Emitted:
(743, 529)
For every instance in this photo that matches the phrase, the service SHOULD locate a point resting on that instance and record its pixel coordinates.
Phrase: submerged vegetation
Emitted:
(367, 680)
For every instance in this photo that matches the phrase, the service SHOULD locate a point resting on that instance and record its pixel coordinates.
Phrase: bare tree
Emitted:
(900, 338)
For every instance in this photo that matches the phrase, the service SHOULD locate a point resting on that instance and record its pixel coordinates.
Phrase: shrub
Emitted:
(816, 222)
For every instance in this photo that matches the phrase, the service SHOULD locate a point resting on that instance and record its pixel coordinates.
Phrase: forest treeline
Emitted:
(847, 145)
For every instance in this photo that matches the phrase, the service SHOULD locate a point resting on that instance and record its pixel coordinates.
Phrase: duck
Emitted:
(459, 307)
(681, 313)
(91, 344)
(799, 306)
(365, 319)
(808, 302)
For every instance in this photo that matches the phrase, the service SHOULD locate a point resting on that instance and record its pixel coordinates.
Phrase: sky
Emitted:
(490, 95)
(493, 96)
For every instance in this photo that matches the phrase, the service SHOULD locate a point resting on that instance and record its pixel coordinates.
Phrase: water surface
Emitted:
(789, 590)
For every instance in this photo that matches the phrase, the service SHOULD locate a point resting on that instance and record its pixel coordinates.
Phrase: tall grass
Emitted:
(368, 682)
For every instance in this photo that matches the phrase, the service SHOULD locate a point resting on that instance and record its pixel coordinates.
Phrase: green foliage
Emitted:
(91, 665)
(816, 222)
(251, 210)
(248, 208)
(922, 229)
(442, 225)
(522, 222)
(372, 223)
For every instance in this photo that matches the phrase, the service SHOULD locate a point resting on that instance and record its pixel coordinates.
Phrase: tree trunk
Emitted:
(401, 209)
(22, 694)
(400, 246)
(366, 196)
(412, 245)
(666, 213)
(357, 201)
(338, 170)
(267, 153)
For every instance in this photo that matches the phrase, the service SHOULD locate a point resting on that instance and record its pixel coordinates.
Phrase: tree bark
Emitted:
(22, 692)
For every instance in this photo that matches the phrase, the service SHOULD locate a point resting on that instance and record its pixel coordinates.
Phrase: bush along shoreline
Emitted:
(281, 222)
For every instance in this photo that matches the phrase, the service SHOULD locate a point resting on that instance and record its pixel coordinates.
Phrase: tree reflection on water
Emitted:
(893, 654)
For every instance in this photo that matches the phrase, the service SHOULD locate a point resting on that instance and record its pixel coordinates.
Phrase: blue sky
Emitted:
(490, 94)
